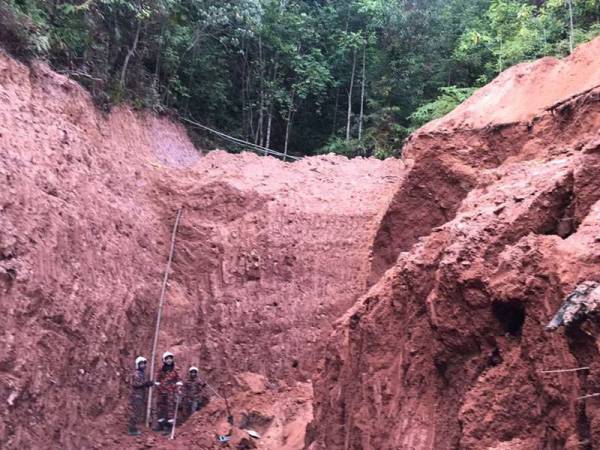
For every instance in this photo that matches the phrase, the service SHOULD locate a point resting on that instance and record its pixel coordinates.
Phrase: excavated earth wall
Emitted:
(268, 255)
(496, 222)
(466, 247)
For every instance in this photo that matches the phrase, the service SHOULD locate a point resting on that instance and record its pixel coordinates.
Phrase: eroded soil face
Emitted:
(268, 255)
(446, 350)
(388, 305)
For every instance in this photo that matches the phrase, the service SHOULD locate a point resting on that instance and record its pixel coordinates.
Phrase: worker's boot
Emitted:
(167, 428)
(133, 431)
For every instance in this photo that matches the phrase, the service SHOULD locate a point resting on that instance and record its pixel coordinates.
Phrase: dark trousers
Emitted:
(136, 411)
(165, 405)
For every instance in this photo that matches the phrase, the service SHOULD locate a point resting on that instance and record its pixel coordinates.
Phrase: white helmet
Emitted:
(193, 368)
(138, 360)
(166, 355)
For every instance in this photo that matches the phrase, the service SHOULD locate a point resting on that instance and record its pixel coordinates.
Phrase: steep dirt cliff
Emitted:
(496, 222)
(444, 268)
(268, 255)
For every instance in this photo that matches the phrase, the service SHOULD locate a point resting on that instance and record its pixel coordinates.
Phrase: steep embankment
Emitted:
(497, 220)
(268, 255)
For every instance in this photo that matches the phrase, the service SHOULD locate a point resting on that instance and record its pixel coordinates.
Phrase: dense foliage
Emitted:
(304, 76)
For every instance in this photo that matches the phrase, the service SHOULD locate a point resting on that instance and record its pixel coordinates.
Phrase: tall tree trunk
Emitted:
(362, 92)
(195, 51)
(287, 133)
(250, 133)
(270, 114)
(269, 120)
(259, 139)
(130, 53)
(500, 61)
(243, 99)
(250, 124)
(335, 111)
(258, 135)
(288, 125)
(349, 117)
(570, 3)
(156, 79)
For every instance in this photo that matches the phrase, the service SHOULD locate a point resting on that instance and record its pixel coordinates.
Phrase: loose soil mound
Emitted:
(496, 222)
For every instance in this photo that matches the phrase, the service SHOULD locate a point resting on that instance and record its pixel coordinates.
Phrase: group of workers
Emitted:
(173, 394)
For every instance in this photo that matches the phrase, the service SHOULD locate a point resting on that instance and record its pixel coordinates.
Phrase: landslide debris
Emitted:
(579, 305)
(497, 220)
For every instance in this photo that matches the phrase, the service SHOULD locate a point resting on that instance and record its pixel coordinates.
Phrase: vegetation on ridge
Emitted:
(305, 76)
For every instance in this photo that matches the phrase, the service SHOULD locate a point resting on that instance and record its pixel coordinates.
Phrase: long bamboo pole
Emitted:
(589, 396)
(175, 417)
(159, 314)
(577, 369)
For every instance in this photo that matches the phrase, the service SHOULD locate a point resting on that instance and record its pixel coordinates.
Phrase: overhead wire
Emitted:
(250, 145)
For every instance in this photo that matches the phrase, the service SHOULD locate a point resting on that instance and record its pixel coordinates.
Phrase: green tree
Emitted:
(351, 76)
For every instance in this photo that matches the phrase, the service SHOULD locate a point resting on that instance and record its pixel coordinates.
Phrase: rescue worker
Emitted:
(193, 388)
(169, 384)
(139, 395)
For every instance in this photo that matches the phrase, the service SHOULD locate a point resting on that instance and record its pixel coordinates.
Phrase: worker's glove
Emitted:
(156, 383)
(179, 383)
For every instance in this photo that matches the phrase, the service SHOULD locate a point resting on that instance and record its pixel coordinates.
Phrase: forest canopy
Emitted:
(354, 77)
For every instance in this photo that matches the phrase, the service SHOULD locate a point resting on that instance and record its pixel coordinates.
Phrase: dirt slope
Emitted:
(268, 255)
(496, 222)
(468, 246)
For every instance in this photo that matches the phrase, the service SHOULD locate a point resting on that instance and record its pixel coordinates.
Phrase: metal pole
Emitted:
(175, 417)
(159, 314)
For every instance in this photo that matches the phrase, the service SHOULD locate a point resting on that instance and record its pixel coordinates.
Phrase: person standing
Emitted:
(168, 383)
(139, 395)
(192, 393)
